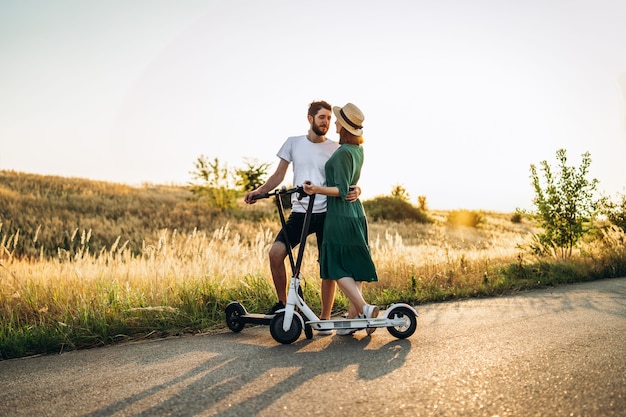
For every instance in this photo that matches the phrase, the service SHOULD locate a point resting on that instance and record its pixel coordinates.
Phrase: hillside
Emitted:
(41, 215)
(50, 212)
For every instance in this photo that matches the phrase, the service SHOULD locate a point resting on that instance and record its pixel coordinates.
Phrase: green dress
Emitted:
(345, 248)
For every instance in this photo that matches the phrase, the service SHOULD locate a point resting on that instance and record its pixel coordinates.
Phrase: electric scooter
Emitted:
(286, 325)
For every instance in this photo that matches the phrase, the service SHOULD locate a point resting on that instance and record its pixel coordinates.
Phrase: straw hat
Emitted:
(351, 118)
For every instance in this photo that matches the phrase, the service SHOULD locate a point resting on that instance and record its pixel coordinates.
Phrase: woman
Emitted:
(345, 255)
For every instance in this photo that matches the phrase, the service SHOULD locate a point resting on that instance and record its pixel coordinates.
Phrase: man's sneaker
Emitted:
(328, 332)
(278, 306)
(370, 312)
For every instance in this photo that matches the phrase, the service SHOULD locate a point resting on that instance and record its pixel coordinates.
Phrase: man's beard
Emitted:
(318, 131)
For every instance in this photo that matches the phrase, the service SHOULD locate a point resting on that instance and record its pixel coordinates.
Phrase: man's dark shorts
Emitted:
(293, 227)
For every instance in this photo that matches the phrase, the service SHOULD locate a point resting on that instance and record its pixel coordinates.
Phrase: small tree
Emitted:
(565, 204)
(215, 183)
(400, 192)
(421, 203)
(252, 176)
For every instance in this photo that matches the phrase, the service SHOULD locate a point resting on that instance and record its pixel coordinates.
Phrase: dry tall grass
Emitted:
(98, 290)
(182, 282)
(230, 257)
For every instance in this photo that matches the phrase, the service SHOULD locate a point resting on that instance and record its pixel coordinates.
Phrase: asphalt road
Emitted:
(554, 352)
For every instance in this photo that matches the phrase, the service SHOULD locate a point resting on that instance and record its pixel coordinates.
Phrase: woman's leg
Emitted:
(352, 290)
(352, 311)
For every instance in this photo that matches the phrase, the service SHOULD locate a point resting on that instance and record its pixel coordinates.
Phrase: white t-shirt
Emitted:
(308, 160)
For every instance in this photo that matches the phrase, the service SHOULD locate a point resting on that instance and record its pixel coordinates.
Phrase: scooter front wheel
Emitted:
(408, 327)
(308, 331)
(234, 310)
(282, 336)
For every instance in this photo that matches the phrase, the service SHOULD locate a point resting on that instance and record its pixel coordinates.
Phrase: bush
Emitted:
(467, 218)
(516, 217)
(394, 209)
(616, 213)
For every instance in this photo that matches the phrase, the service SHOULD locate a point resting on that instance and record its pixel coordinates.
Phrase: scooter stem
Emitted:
(292, 301)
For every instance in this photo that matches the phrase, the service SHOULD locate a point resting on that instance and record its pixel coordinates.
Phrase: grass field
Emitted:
(180, 282)
(183, 283)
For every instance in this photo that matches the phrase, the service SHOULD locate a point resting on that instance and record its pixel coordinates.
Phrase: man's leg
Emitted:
(329, 287)
(277, 255)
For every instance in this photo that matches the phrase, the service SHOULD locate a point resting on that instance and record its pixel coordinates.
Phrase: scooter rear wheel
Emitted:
(281, 336)
(235, 310)
(409, 325)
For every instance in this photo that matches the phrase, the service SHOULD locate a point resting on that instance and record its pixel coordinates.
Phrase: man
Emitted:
(309, 154)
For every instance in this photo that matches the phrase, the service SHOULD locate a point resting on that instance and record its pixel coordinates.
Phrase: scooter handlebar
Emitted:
(281, 191)
(260, 196)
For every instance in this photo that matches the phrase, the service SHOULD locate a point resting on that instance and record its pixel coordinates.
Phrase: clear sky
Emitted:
(459, 96)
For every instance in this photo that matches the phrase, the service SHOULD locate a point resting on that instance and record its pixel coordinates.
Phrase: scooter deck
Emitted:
(255, 318)
(356, 323)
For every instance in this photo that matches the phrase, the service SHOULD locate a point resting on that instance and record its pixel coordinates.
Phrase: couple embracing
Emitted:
(330, 170)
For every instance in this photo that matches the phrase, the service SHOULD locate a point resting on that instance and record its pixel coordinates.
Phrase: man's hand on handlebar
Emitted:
(248, 198)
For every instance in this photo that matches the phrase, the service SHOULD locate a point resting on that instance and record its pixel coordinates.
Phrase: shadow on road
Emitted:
(243, 378)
